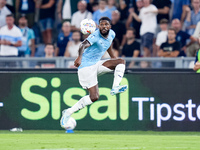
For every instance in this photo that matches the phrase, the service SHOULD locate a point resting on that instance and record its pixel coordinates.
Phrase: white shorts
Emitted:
(88, 75)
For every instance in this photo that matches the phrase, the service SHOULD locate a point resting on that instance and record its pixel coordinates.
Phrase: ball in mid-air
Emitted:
(88, 26)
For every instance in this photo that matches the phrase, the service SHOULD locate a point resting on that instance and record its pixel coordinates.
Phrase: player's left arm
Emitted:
(110, 52)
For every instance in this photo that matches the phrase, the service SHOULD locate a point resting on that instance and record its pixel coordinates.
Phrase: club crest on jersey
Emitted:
(92, 36)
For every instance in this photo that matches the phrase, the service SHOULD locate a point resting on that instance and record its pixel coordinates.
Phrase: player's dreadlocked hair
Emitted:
(105, 18)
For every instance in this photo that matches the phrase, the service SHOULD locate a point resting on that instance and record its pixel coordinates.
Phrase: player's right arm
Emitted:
(85, 44)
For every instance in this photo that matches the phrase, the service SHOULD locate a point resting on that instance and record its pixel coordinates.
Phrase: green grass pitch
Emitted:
(102, 140)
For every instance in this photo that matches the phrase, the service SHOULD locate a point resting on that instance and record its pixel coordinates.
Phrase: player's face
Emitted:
(104, 27)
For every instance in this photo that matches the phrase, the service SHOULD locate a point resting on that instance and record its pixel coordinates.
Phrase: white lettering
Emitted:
(190, 106)
(140, 101)
(159, 113)
(198, 112)
(181, 113)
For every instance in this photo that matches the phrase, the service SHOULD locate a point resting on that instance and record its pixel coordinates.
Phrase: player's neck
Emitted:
(104, 36)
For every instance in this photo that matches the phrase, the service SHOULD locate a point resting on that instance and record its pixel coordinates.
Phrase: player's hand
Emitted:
(77, 62)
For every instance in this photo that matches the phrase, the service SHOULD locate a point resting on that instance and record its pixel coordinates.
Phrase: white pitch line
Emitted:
(93, 148)
(122, 148)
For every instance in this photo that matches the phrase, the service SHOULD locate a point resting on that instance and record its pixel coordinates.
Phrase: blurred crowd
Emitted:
(144, 28)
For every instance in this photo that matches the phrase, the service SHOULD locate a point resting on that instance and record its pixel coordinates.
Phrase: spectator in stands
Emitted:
(193, 48)
(46, 19)
(123, 9)
(179, 9)
(10, 5)
(28, 38)
(102, 11)
(78, 16)
(162, 35)
(171, 48)
(132, 47)
(192, 17)
(118, 27)
(65, 9)
(73, 47)
(95, 7)
(90, 4)
(63, 39)
(49, 53)
(131, 22)
(10, 40)
(147, 17)
(163, 9)
(4, 11)
(111, 5)
(26, 7)
(181, 36)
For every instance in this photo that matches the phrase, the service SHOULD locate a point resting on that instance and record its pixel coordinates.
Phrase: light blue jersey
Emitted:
(99, 45)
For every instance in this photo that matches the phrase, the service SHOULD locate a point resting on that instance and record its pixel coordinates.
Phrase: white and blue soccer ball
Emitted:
(70, 125)
(88, 26)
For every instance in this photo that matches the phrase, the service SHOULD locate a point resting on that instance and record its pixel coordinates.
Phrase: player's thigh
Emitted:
(112, 63)
(101, 69)
(88, 77)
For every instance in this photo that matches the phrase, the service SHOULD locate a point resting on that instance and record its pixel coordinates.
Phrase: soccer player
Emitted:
(89, 66)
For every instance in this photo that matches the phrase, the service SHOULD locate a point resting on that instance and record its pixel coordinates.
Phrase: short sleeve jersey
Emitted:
(99, 45)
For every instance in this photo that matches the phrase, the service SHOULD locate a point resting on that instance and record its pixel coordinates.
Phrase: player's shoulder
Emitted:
(95, 34)
(94, 37)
